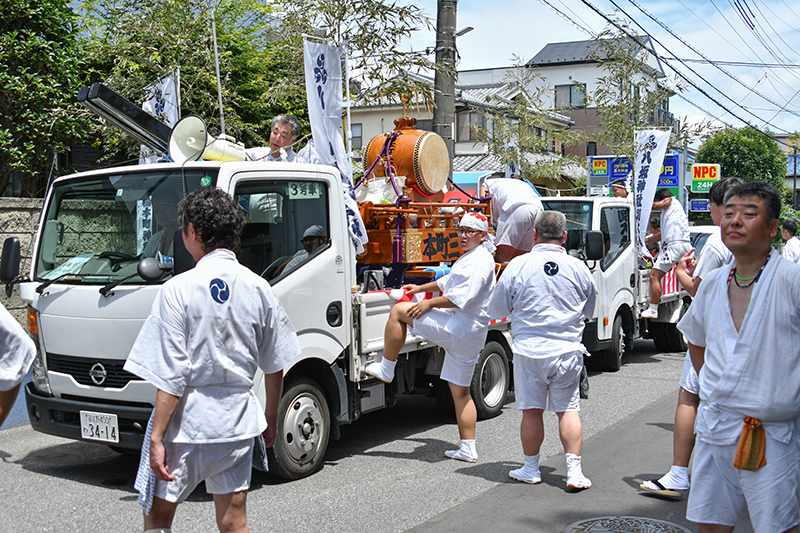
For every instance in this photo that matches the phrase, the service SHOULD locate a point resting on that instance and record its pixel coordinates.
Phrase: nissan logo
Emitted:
(98, 374)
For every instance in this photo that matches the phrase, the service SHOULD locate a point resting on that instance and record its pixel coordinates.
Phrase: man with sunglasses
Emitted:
(313, 238)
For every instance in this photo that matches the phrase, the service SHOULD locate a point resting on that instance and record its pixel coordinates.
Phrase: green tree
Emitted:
(38, 83)
(131, 44)
(746, 153)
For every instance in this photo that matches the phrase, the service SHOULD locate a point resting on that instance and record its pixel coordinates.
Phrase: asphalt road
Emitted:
(387, 473)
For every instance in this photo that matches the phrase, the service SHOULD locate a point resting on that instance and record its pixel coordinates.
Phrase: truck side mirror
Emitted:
(595, 245)
(9, 263)
(149, 270)
(182, 258)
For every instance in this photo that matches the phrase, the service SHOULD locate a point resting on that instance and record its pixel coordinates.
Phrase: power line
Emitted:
(696, 51)
(680, 74)
(735, 63)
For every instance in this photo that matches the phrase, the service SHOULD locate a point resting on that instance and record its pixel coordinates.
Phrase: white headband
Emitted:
(474, 220)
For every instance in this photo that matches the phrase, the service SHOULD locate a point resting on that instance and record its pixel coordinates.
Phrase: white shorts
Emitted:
(551, 383)
(670, 254)
(689, 381)
(459, 357)
(226, 467)
(516, 228)
(720, 492)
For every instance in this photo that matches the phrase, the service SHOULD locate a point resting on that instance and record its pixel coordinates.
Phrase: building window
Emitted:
(357, 138)
(570, 95)
(467, 126)
(591, 148)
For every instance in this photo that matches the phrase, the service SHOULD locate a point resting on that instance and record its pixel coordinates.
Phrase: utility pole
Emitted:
(443, 84)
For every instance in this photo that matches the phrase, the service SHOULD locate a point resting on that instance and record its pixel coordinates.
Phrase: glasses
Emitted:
(467, 232)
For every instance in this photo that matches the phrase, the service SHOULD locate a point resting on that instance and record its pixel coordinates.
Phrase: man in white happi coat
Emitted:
(675, 243)
(514, 206)
(547, 293)
(743, 329)
(456, 320)
(690, 273)
(791, 250)
(17, 351)
(208, 331)
(283, 133)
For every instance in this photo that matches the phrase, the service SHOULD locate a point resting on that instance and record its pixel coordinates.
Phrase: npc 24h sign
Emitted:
(703, 176)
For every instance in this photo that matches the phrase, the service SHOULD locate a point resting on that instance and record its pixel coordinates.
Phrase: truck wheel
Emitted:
(675, 339)
(490, 380)
(658, 332)
(303, 431)
(612, 356)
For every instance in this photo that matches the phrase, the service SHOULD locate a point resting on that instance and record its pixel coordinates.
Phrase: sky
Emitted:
(755, 45)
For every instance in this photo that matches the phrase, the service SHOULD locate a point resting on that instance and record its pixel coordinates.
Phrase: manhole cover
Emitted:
(624, 524)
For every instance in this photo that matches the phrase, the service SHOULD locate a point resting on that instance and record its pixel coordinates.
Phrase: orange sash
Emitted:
(750, 453)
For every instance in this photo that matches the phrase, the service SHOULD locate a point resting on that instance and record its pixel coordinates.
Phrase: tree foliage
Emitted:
(38, 83)
(521, 130)
(131, 44)
(746, 153)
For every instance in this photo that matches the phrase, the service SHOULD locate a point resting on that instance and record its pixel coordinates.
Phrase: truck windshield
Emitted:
(579, 222)
(96, 229)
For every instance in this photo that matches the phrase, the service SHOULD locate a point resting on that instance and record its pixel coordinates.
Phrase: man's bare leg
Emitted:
(467, 418)
(161, 514)
(531, 433)
(655, 293)
(231, 512)
(570, 430)
(394, 337)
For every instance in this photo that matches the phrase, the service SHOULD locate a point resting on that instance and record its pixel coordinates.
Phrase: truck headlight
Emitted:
(39, 377)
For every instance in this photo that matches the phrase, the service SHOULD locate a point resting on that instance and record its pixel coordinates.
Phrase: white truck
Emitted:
(89, 290)
(601, 231)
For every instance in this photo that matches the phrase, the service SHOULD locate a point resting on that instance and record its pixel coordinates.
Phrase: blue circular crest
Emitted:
(551, 268)
(220, 291)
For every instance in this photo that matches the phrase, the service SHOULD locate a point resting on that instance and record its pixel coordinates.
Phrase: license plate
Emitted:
(99, 426)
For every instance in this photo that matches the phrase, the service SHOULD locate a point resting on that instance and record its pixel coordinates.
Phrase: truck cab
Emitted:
(623, 287)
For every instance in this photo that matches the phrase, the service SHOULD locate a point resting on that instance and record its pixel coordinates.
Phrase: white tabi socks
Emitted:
(467, 452)
(384, 370)
(528, 473)
(575, 477)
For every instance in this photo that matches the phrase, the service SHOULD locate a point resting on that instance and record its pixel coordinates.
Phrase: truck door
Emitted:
(296, 240)
(618, 281)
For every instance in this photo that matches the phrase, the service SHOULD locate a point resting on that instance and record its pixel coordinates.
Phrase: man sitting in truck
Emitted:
(208, 331)
(457, 321)
(313, 238)
(674, 244)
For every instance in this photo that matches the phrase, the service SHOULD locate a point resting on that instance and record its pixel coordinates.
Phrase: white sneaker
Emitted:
(650, 312)
(376, 370)
(461, 455)
(579, 482)
(525, 476)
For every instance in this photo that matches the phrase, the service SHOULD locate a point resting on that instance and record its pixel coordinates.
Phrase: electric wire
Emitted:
(696, 51)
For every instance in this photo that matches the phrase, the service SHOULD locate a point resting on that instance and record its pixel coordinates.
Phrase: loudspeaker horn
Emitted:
(190, 141)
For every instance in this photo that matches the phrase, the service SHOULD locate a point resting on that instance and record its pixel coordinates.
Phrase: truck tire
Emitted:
(490, 380)
(612, 356)
(675, 339)
(304, 426)
(658, 332)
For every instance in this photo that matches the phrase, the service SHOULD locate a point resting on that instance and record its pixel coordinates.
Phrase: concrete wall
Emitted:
(19, 217)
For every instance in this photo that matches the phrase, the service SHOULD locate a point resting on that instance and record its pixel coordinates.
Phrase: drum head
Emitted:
(431, 163)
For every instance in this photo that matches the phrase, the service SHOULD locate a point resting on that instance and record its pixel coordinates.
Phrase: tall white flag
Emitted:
(323, 66)
(651, 146)
(161, 101)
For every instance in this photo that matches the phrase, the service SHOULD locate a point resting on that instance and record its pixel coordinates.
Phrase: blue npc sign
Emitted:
(621, 167)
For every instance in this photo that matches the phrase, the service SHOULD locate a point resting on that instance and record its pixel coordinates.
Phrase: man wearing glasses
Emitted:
(313, 238)
(456, 320)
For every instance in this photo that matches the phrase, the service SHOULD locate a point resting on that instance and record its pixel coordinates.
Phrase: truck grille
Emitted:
(82, 368)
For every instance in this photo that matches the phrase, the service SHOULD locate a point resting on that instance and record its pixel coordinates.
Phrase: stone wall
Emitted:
(19, 217)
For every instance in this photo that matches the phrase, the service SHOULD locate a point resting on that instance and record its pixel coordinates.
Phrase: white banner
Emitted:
(651, 146)
(162, 102)
(323, 66)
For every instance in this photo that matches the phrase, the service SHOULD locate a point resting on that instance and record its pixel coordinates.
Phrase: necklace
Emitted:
(754, 279)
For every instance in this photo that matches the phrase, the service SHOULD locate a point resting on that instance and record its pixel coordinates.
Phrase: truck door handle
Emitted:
(633, 280)
(334, 314)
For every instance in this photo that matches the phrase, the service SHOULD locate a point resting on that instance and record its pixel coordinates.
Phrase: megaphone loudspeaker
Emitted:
(190, 141)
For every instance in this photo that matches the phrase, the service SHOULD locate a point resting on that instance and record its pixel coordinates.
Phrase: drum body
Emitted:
(420, 156)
